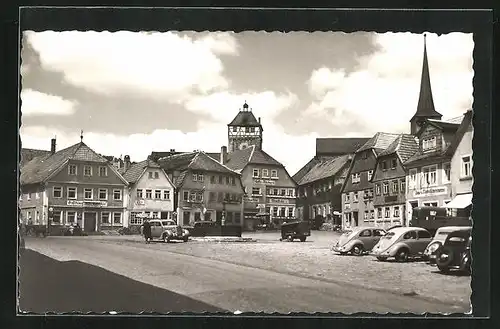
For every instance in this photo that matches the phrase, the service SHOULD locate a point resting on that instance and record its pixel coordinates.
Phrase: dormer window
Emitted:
(394, 163)
(370, 174)
(356, 178)
(429, 143)
(383, 164)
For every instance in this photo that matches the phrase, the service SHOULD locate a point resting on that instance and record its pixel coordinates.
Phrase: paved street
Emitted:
(269, 275)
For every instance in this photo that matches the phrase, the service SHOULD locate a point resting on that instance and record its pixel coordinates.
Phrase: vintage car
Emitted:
(167, 230)
(359, 240)
(454, 253)
(295, 230)
(439, 238)
(402, 243)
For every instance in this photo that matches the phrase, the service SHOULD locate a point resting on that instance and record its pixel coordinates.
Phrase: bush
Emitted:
(326, 227)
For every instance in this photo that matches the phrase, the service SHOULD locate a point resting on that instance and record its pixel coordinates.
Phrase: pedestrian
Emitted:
(146, 230)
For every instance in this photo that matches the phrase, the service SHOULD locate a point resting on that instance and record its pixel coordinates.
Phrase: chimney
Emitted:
(126, 162)
(259, 120)
(172, 150)
(53, 145)
(223, 154)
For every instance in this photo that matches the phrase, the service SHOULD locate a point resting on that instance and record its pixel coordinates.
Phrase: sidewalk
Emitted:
(47, 285)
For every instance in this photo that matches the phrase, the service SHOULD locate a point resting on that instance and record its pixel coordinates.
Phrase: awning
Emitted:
(460, 201)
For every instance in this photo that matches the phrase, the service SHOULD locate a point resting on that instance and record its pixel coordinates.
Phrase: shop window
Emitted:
(106, 220)
(117, 218)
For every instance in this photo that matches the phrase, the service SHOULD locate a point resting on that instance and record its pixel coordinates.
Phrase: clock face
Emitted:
(243, 146)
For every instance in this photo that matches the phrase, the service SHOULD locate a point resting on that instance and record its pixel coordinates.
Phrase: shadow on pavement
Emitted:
(47, 285)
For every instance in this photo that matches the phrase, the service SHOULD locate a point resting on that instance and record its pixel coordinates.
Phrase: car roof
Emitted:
(359, 228)
(401, 230)
(454, 228)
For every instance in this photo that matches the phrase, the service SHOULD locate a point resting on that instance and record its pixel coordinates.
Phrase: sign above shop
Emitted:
(249, 199)
(430, 191)
(282, 201)
(264, 181)
(87, 203)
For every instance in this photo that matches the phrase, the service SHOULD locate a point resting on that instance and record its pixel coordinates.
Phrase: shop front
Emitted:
(435, 196)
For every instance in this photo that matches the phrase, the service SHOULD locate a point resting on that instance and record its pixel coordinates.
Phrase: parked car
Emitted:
(439, 238)
(454, 253)
(167, 230)
(295, 230)
(402, 243)
(359, 240)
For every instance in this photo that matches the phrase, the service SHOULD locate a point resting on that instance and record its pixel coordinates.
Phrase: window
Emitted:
(429, 175)
(365, 233)
(70, 217)
(446, 172)
(199, 196)
(290, 212)
(403, 186)
(466, 166)
(255, 173)
(370, 174)
(87, 171)
(201, 178)
(134, 220)
(387, 212)
(430, 204)
(150, 175)
(212, 179)
(356, 178)
(282, 211)
(384, 165)
(72, 193)
(117, 194)
(372, 214)
(275, 211)
(412, 180)
(394, 163)
(290, 192)
(282, 192)
(220, 179)
(149, 194)
(157, 194)
(166, 195)
(378, 233)
(274, 173)
(255, 190)
(56, 216)
(377, 189)
(233, 181)
(237, 217)
(117, 218)
(429, 143)
(355, 197)
(395, 186)
(228, 180)
(396, 211)
(88, 193)
(211, 196)
(57, 192)
(412, 235)
(365, 215)
(192, 197)
(103, 171)
(157, 175)
(185, 195)
(195, 177)
(386, 188)
(72, 170)
(139, 193)
(265, 173)
(347, 197)
(424, 235)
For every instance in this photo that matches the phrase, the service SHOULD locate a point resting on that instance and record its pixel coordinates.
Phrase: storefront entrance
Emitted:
(89, 221)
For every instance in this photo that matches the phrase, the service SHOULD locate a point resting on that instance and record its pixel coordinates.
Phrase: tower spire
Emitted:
(425, 105)
(81, 136)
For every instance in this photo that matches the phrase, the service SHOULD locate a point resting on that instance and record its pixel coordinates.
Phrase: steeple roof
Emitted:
(425, 107)
(245, 118)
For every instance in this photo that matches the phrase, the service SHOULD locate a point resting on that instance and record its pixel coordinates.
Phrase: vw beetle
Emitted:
(359, 240)
(402, 243)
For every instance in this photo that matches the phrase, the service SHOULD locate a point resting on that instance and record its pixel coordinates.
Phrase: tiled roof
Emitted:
(380, 141)
(239, 159)
(178, 161)
(427, 157)
(215, 156)
(135, 170)
(158, 155)
(195, 161)
(405, 146)
(245, 118)
(339, 145)
(444, 125)
(29, 154)
(41, 168)
(325, 169)
(305, 169)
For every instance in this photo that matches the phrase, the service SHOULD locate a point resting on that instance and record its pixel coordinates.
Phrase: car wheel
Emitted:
(289, 238)
(357, 250)
(443, 260)
(166, 238)
(185, 239)
(303, 239)
(382, 259)
(402, 255)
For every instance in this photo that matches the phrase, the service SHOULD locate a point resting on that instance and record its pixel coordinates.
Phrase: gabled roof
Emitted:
(443, 125)
(379, 142)
(29, 154)
(41, 168)
(162, 154)
(305, 169)
(404, 146)
(325, 169)
(195, 161)
(135, 171)
(339, 145)
(462, 129)
(246, 119)
(239, 159)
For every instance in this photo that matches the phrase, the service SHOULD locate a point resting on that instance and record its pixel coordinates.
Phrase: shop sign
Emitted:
(79, 203)
(430, 191)
(282, 201)
(249, 199)
(264, 181)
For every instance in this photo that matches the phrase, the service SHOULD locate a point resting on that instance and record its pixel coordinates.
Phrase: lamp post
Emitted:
(223, 219)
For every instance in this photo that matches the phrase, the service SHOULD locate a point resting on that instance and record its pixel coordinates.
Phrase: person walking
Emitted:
(146, 230)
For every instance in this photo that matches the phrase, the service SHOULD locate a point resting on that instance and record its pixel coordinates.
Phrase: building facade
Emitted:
(319, 190)
(389, 180)
(151, 192)
(244, 131)
(205, 189)
(429, 169)
(74, 186)
(358, 189)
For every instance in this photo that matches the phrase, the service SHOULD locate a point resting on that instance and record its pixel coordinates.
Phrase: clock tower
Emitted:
(244, 131)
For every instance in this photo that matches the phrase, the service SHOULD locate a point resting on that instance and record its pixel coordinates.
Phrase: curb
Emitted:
(222, 239)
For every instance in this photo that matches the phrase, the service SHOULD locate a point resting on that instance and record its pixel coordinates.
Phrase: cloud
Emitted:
(209, 138)
(382, 93)
(37, 103)
(160, 65)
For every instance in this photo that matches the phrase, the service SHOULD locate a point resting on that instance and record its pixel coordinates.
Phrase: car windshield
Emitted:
(388, 236)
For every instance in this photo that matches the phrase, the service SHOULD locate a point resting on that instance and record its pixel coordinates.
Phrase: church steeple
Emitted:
(245, 130)
(425, 106)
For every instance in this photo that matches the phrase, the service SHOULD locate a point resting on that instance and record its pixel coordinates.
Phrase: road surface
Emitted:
(230, 286)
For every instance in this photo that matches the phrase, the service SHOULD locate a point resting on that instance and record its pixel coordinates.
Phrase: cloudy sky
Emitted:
(133, 93)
